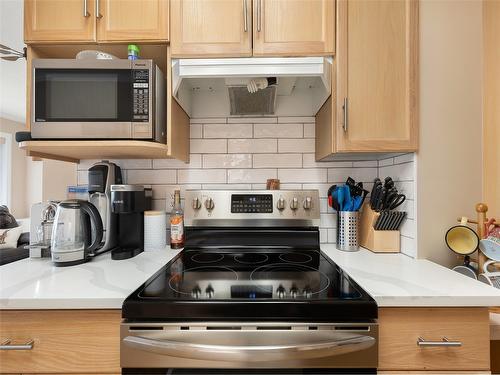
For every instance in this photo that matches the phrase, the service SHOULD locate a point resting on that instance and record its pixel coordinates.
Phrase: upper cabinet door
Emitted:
(132, 20)
(294, 27)
(59, 21)
(377, 57)
(217, 28)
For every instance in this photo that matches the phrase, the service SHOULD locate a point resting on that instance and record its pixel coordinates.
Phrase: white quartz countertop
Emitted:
(396, 280)
(103, 283)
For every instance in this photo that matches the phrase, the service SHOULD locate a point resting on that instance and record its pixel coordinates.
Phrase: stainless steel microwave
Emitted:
(98, 99)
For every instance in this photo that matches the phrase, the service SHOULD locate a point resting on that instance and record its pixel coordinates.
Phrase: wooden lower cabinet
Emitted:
(65, 341)
(400, 328)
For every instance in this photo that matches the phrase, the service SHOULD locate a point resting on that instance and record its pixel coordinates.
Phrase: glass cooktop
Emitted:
(250, 274)
(229, 283)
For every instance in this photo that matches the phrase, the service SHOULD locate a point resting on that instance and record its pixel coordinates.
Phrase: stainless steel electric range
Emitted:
(251, 293)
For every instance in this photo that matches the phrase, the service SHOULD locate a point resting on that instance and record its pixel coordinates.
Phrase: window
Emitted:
(5, 168)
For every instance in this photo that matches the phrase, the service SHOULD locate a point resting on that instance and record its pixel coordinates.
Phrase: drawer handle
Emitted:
(6, 345)
(444, 342)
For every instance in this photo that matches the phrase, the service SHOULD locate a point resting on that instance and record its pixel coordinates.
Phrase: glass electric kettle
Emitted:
(76, 233)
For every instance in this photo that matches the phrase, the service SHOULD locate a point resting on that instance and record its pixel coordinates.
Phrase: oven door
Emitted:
(188, 348)
(93, 99)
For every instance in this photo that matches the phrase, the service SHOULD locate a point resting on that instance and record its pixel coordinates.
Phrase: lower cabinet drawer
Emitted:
(466, 329)
(64, 341)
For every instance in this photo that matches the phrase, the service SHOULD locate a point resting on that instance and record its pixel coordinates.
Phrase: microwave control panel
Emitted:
(140, 95)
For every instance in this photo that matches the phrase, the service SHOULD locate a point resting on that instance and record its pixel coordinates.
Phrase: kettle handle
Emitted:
(95, 219)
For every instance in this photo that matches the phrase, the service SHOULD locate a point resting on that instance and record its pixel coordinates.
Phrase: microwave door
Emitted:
(75, 103)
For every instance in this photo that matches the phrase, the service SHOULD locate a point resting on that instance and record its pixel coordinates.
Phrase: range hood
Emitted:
(288, 86)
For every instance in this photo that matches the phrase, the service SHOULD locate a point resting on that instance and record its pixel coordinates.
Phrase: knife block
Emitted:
(378, 241)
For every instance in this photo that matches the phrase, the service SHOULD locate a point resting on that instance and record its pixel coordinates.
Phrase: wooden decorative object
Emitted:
(378, 241)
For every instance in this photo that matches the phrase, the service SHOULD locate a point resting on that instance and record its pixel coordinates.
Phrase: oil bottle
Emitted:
(177, 223)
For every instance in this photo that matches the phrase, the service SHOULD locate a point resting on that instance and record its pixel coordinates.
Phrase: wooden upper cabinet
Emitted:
(377, 60)
(132, 20)
(218, 28)
(59, 21)
(294, 27)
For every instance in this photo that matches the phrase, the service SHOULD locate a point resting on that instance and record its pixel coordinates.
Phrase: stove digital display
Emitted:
(246, 203)
(251, 291)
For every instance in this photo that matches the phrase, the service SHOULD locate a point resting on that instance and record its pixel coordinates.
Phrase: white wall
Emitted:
(449, 160)
(31, 181)
(12, 74)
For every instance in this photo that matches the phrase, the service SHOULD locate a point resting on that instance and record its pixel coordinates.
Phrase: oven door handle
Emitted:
(252, 353)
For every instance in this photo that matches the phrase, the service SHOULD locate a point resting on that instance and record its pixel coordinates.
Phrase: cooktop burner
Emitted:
(239, 283)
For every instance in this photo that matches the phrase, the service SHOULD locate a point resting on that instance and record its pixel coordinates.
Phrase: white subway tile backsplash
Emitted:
(241, 153)
(254, 146)
(278, 130)
(385, 162)
(227, 131)
(296, 145)
(201, 176)
(82, 177)
(399, 172)
(196, 131)
(277, 161)
(252, 120)
(167, 191)
(340, 175)
(297, 119)
(159, 205)
(406, 158)
(323, 235)
(209, 120)
(208, 146)
(368, 163)
(310, 162)
(332, 235)
(328, 220)
(151, 176)
(194, 162)
(227, 161)
(302, 175)
(309, 130)
(254, 176)
(226, 186)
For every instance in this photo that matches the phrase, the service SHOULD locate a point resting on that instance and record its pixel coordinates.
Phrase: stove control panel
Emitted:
(251, 203)
(252, 208)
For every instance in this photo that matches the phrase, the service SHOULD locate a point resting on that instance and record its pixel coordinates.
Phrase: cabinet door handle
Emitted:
(98, 9)
(85, 9)
(346, 117)
(6, 345)
(444, 342)
(245, 15)
(259, 15)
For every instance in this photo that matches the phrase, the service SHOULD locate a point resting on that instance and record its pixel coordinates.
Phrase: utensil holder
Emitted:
(377, 241)
(347, 230)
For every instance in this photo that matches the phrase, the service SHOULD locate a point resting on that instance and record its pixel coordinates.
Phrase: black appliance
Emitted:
(129, 202)
(251, 293)
(100, 178)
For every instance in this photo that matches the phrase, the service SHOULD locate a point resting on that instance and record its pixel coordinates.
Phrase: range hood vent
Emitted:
(298, 86)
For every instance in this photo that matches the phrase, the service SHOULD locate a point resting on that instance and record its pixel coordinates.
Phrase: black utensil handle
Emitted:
(95, 219)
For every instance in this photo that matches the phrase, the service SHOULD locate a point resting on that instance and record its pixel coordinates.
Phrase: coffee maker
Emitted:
(101, 176)
(129, 202)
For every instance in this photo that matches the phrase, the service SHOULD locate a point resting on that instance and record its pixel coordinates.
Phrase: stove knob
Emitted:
(307, 203)
(196, 292)
(196, 204)
(280, 205)
(294, 204)
(294, 292)
(209, 204)
(281, 292)
(307, 292)
(209, 291)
